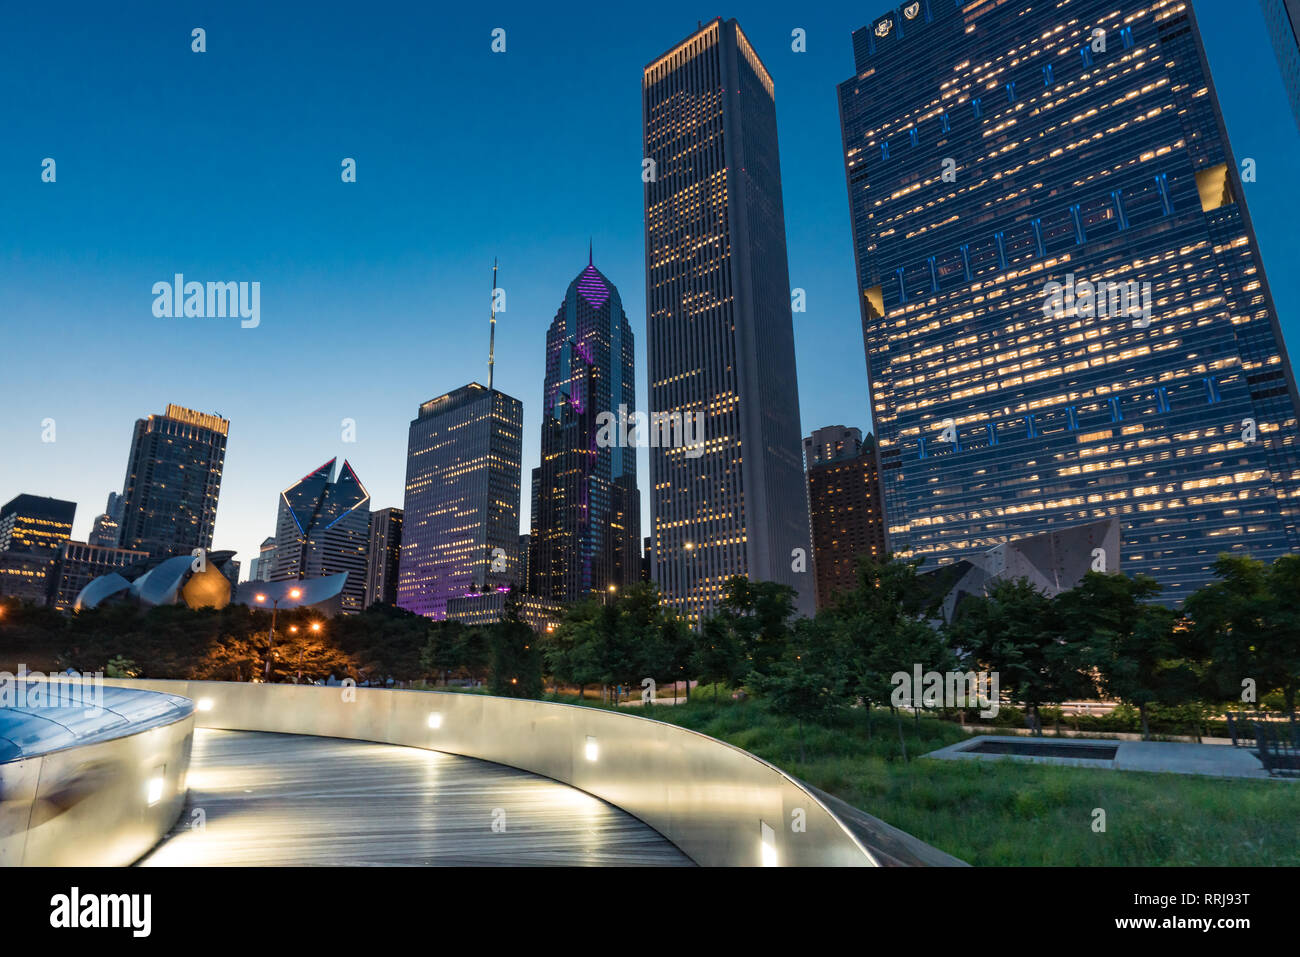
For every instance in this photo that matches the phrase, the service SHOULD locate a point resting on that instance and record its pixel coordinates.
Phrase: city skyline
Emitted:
(247, 378)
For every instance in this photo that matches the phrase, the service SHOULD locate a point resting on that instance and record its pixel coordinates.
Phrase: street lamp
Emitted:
(295, 594)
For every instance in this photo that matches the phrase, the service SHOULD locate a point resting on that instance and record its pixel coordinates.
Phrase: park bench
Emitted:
(1278, 750)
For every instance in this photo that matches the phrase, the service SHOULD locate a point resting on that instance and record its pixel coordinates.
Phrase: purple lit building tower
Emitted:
(586, 506)
(460, 522)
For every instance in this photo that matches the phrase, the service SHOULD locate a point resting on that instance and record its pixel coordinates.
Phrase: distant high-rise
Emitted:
(108, 525)
(843, 507)
(35, 523)
(1064, 307)
(173, 480)
(385, 555)
(323, 528)
(720, 337)
(460, 522)
(586, 516)
(259, 570)
(1283, 19)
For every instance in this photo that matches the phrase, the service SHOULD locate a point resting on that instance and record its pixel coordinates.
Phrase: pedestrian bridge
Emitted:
(267, 774)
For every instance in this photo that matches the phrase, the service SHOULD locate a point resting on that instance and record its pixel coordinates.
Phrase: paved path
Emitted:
(276, 799)
(1173, 756)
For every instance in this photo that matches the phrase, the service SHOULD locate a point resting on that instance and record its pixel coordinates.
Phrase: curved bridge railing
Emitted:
(718, 804)
(89, 779)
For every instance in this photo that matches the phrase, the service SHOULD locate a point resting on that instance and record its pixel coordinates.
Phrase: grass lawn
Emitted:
(1010, 812)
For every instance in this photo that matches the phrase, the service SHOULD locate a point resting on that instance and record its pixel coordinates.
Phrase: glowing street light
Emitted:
(260, 598)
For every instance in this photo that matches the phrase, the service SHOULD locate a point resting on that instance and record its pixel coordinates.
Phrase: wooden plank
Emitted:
(278, 799)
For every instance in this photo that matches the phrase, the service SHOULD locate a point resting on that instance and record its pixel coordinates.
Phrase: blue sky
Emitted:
(374, 295)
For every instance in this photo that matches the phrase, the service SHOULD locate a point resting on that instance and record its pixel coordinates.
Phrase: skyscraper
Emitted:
(586, 517)
(1283, 19)
(1064, 307)
(720, 337)
(323, 528)
(173, 480)
(460, 521)
(385, 556)
(843, 507)
(108, 525)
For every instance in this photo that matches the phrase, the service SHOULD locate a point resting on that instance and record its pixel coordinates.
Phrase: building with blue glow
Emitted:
(1064, 308)
(586, 527)
(323, 528)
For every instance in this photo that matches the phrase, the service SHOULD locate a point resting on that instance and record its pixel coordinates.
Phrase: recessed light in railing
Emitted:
(768, 837)
(154, 790)
(435, 720)
(204, 704)
(593, 750)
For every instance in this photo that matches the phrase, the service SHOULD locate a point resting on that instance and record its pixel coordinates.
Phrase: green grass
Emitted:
(1011, 812)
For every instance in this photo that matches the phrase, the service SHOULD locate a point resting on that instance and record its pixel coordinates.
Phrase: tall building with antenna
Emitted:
(460, 533)
(586, 528)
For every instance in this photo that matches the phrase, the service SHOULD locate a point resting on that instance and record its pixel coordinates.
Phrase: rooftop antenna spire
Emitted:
(588, 250)
(492, 326)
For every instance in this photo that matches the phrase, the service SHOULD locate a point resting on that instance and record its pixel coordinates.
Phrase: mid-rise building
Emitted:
(173, 481)
(36, 523)
(79, 563)
(843, 507)
(1064, 306)
(323, 528)
(586, 518)
(720, 336)
(460, 521)
(385, 556)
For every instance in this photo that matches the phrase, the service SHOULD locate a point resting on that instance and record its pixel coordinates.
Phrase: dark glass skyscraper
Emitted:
(460, 517)
(1065, 311)
(385, 556)
(173, 480)
(586, 523)
(323, 528)
(720, 337)
(1283, 19)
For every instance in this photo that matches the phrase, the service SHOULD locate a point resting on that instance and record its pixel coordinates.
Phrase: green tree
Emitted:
(516, 655)
(1247, 626)
(1129, 642)
(1015, 630)
(807, 683)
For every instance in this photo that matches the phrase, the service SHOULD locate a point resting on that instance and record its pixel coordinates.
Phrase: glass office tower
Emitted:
(1283, 19)
(1065, 312)
(720, 337)
(173, 481)
(586, 521)
(460, 516)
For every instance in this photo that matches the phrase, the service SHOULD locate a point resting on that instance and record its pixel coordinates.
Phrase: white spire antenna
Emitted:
(492, 334)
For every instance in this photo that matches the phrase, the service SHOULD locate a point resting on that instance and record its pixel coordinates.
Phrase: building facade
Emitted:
(460, 522)
(1283, 19)
(844, 507)
(385, 556)
(323, 528)
(80, 563)
(1064, 307)
(720, 336)
(173, 481)
(586, 519)
(36, 523)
